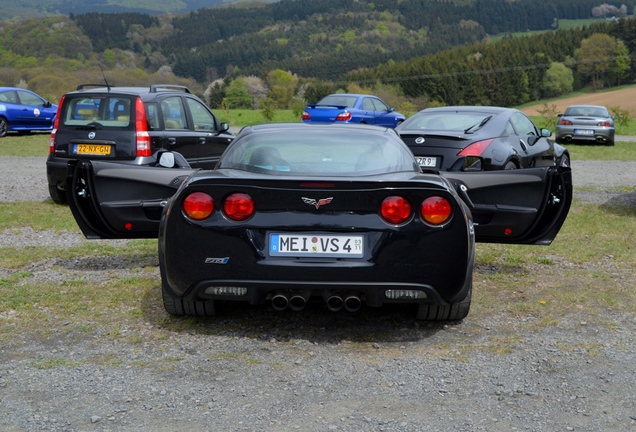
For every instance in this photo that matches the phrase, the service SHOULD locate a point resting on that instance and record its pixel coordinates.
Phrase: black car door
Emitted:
(212, 139)
(535, 150)
(113, 200)
(178, 133)
(526, 206)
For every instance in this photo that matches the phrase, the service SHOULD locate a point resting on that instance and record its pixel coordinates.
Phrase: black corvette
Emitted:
(337, 213)
(479, 138)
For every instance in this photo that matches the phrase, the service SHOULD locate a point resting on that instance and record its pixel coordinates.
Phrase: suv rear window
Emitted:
(111, 111)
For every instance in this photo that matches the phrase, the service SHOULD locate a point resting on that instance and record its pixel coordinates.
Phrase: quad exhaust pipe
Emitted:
(297, 300)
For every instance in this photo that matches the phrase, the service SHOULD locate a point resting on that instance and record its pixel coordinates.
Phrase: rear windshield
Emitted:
(340, 100)
(319, 153)
(98, 110)
(444, 121)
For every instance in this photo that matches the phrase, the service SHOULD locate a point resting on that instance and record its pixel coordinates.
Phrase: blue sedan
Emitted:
(352, 108)
(24, 111)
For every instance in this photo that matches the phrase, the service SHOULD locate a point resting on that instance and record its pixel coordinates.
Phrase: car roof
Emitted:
(587, 106)
(486, 109)
(15, 88)
(155, 88)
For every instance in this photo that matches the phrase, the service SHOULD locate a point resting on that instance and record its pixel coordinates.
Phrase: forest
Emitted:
(418, 51)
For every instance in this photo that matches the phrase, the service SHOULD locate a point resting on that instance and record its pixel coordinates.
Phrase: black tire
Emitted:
(4, 127)
(57, 195)
(451, 312)
(609, 143)
(564, 161)
(181, 307)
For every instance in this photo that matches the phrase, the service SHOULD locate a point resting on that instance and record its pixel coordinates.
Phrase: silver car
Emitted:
(590, 124)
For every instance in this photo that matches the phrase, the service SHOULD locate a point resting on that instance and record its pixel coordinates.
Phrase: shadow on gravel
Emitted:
(623, 204)
(112, 262)
(315, 323)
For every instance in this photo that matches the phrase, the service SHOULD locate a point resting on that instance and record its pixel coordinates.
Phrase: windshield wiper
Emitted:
(477, 125)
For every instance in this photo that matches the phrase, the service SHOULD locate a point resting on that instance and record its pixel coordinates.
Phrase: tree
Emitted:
(595, 57)
(621, 62)
(282, 87)
(237, 94)
(558, 80)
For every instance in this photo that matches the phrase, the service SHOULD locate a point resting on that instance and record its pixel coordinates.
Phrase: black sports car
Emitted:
(339, 213)
(479, 138)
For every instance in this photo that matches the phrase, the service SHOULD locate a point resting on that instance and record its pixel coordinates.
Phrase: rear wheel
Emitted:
(609, 143)
(57, 195)
(451, 312)
(510, 165)
(4, 127)
(178, 306)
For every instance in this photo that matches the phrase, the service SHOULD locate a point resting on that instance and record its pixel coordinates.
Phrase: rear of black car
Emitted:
(315, 238)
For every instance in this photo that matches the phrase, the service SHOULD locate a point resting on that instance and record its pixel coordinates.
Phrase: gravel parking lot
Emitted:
(256, 370)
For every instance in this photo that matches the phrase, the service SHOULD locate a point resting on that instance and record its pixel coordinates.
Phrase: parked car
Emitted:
(586, 124)
(24, 111)
(337, 213)
(130, 125)
(352, 108)
(479, 138)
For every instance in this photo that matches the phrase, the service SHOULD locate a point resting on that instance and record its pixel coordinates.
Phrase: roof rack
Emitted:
(166, 87)
(82, 86)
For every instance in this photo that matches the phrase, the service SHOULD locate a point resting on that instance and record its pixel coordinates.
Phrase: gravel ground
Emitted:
(373, 371)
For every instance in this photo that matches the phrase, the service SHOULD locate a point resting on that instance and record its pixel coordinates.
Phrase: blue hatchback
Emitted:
(24, 111)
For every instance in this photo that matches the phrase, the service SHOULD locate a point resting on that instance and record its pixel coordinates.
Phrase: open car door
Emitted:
(115, 201)
(525, 206)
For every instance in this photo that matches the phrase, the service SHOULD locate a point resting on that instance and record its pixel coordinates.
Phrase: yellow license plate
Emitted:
(92, 149)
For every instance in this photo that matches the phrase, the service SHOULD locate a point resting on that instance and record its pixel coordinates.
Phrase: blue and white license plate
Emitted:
(316, 245)
(428, 162)
(583, 131)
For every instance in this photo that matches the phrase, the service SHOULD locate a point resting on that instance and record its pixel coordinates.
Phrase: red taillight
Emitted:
(238, 206)
(395, 210)
(144, 145)
(475, 149)
(565, 122)
(306, 115)
(343, 116)
(55, 124)
(604, 123)
(198, 206)
(436, 210)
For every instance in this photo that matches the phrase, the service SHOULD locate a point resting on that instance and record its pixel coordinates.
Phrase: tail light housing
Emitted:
(565, 122)
(198, 206)
(306, 115)
(475, 149)
(55, 125)
(395, 210)
(436, 210)
(144, 144)
(238, 207)
(343, 116)
(605, 123)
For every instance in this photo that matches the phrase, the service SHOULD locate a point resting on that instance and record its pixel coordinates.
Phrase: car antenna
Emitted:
(104, 75)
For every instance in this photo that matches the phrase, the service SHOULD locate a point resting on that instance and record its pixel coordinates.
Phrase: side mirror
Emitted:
(47, 104)
(224, 127)
(166, 160)
(546, 133)
(560, 115)
(391, 109)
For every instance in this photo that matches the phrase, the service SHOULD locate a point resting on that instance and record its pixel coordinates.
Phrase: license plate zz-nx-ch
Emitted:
(92, 149)
(316, 245)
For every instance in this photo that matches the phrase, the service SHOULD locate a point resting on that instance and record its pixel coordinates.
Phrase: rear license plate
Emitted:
(426, 161)
(92, 149)
(316, 245)
(583, 131)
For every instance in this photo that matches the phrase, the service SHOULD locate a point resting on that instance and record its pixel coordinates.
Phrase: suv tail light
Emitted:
(144, 145)
(57, 122)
